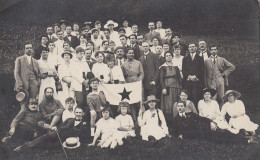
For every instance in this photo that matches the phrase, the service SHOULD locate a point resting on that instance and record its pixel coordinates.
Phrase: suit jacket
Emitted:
(149, 36)
(192, 126)
(90, 64)
(74, 42)
(184, 48)
(193, 67)
(151, 69)
(53, 38)
(22, 71)
(38, 51)
(224, 66)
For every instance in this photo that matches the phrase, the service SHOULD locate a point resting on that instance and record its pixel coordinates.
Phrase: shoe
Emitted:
(18, 149)
(6, 139)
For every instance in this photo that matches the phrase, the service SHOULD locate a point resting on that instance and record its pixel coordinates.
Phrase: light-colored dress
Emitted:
(99, 69)
(150, 125)
(211, 111)
(241, 122)
(125, 121)
(107, 129)
(45, 67)
(115, 73)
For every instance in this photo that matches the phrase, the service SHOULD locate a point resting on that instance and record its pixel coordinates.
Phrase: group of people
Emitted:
(64, 72)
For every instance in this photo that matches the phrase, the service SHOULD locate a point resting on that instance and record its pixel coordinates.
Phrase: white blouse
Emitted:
(209, 110)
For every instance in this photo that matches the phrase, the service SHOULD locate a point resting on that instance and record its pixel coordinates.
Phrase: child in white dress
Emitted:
(126, 123)
(107, 128)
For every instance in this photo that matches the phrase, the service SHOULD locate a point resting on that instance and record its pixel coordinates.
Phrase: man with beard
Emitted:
(72, 127)
(26, 74)
(203, 51)
(133, 72)
(51, 109)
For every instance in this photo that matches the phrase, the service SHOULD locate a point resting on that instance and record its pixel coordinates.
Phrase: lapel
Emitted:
(25, 60)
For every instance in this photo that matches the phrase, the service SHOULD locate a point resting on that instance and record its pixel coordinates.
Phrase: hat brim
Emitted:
(62, 55)
(65, 145)
(115, 25)
(235, 93)
(211, 91)
(20, 96)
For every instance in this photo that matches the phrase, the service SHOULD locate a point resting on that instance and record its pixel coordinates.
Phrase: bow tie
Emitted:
(77, 120)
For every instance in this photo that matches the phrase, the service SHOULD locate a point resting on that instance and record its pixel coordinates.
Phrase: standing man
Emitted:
(150, 62)
(203, 51)
(128, 30)
(175, 39)
(44, 45)
(160, 29)
(134, 29)
(50, 34)
(168, 35)
(217, 70)
(113, 34)
(135, 46)
(152, 33)
(26, 74)
(59, 43)
(193, 73)
(133, 72)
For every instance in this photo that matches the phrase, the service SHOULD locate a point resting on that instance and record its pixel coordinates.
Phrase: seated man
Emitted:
(191, 125)
(51, 109)
(24, 125)
(72, 127)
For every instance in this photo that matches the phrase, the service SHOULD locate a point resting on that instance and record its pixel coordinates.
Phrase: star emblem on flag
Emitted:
(125, 94)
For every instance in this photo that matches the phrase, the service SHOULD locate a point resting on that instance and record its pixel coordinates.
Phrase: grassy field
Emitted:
(244, 53)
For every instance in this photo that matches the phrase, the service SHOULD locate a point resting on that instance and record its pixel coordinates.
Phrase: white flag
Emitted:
(115, 93)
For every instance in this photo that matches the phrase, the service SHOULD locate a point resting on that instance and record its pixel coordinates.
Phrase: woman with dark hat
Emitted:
(209, 108)
(64, 72)
(153, 124)
(236, 110)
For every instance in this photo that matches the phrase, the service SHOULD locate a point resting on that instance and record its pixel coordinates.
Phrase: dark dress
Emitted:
(170, 80)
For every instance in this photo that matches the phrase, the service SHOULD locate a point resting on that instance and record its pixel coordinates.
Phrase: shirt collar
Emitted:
(146, 53)
(216, 56)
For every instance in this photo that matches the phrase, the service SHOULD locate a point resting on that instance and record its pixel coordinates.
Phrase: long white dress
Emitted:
(241, 122)
(211, 111)
(150, 125)
(46, 67)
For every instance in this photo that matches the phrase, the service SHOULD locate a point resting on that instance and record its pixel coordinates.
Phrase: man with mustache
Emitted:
(51, 109)
(26, 74)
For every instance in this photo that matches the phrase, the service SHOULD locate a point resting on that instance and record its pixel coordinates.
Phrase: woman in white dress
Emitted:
(47, 74)
(236, 110)
(52, 57)
(153, 124)
(100, 69)
(114, 74)
(177, 58)
(209, 108)
(64, 72)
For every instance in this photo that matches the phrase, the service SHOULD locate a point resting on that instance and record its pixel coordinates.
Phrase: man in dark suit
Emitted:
(50, 34)
(203, 50)
(44, 44)
(26, 74)
(72, 127)
(193, 73)
(123, 40)
(175, 39)
(152, 33)
(134, 29)
(150, 62)
(191, 125)
(135, 46)
(89, 60)
(74, 41)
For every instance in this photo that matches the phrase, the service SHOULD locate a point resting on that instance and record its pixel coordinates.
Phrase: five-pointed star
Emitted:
(125, 94)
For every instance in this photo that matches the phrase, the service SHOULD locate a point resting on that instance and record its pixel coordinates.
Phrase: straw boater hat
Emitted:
(110, 22)
(211, 91)
(20, 96)
(66, 52)
(235, 93)
(151, 98)
(71, 143)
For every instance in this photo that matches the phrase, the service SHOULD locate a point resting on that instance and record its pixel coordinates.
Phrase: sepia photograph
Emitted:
(129, 79)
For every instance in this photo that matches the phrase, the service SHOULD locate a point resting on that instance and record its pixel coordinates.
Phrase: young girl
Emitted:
(106, 126)
(125, 122)
(153, 124)
(95, 100)
(100, 69)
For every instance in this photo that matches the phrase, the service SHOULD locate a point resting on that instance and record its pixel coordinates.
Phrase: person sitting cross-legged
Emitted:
(72, 127)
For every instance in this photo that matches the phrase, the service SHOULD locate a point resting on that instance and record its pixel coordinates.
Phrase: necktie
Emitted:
(120, 62)
(214, 60)
(145, 57)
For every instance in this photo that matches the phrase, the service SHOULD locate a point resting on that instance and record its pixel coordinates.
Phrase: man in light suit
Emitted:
(152, 33)
(26, 74)
(150, 62)
(217, 70)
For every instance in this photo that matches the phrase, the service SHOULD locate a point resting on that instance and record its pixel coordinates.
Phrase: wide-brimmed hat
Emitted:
(211, 91)
(151, 98)
(235, 93)
(20, 96)
(66, 52)
(71, 143)
(110, 22)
